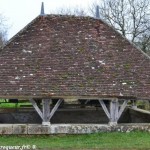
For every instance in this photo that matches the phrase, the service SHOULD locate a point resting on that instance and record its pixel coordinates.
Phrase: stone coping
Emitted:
(34, 129)
(141, 110)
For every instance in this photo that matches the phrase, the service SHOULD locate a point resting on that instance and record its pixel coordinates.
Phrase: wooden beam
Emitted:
(55, 108)
(123, 106)
(46, 111)
(87, 101)
(114, 108)
(104, 108)
(36, 108)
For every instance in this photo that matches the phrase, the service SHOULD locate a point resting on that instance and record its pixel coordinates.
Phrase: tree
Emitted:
(130, 17)
(3, 31)
(71, 11)
(144, 42)
(2, 38)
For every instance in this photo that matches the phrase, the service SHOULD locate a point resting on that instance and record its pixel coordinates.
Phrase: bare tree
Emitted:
(144, 42)
(71, 11)
(2, 37)
(130, 17)
(3, 30)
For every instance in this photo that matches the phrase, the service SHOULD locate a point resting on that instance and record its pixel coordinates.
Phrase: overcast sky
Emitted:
(20, 12)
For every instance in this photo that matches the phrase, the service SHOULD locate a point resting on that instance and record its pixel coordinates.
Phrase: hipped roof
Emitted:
(68, 56)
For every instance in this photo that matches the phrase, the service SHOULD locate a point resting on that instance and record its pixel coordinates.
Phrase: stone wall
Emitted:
(139, 115)
(31, 129)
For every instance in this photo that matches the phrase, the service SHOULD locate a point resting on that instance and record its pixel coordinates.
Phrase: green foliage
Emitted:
(143, 105)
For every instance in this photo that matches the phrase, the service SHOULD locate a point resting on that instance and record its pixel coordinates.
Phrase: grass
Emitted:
(102, 141)
(109, 141)
(13, 105)
(6, 104)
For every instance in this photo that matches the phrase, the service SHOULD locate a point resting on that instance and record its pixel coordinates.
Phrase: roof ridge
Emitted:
(61, 15)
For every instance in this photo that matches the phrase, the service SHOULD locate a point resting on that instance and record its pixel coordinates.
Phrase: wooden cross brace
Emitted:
(46, 114)
(115, 111)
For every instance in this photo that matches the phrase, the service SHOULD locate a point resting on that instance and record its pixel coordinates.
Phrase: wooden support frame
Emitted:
(115, 110)
(46, 114)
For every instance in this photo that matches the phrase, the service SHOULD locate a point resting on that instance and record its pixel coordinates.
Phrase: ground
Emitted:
(102, 141)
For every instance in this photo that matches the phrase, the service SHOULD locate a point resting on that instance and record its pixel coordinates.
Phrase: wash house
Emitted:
(63, 58)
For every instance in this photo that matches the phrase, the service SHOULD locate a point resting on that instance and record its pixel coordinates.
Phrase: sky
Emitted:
(19, 13)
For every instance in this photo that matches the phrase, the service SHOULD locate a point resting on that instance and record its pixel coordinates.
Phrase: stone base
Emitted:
(46, 123)
(30, 129)
(113, 123)
(134, 107)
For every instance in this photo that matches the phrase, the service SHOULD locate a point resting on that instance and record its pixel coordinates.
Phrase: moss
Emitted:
(81, 49)
(109, 55)
(117, 66)
(64, 76)
(127, 66)
(128, 82)
(81, 85)
(114, 75)
(101, 69)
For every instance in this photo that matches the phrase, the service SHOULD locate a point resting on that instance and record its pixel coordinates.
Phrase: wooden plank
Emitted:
(46, 110)
(55, 108)
(36, 108)
(70, 98)
(104, 108)
(123, 106)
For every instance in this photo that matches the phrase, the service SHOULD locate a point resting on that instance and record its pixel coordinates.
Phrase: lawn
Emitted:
(6, 104)
(104, 141)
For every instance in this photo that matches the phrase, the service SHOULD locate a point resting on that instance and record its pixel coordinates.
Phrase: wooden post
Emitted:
(46, 112)
(134, 106)
(114, 109)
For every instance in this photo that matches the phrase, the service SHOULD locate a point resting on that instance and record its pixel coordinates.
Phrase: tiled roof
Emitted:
(72, 56)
